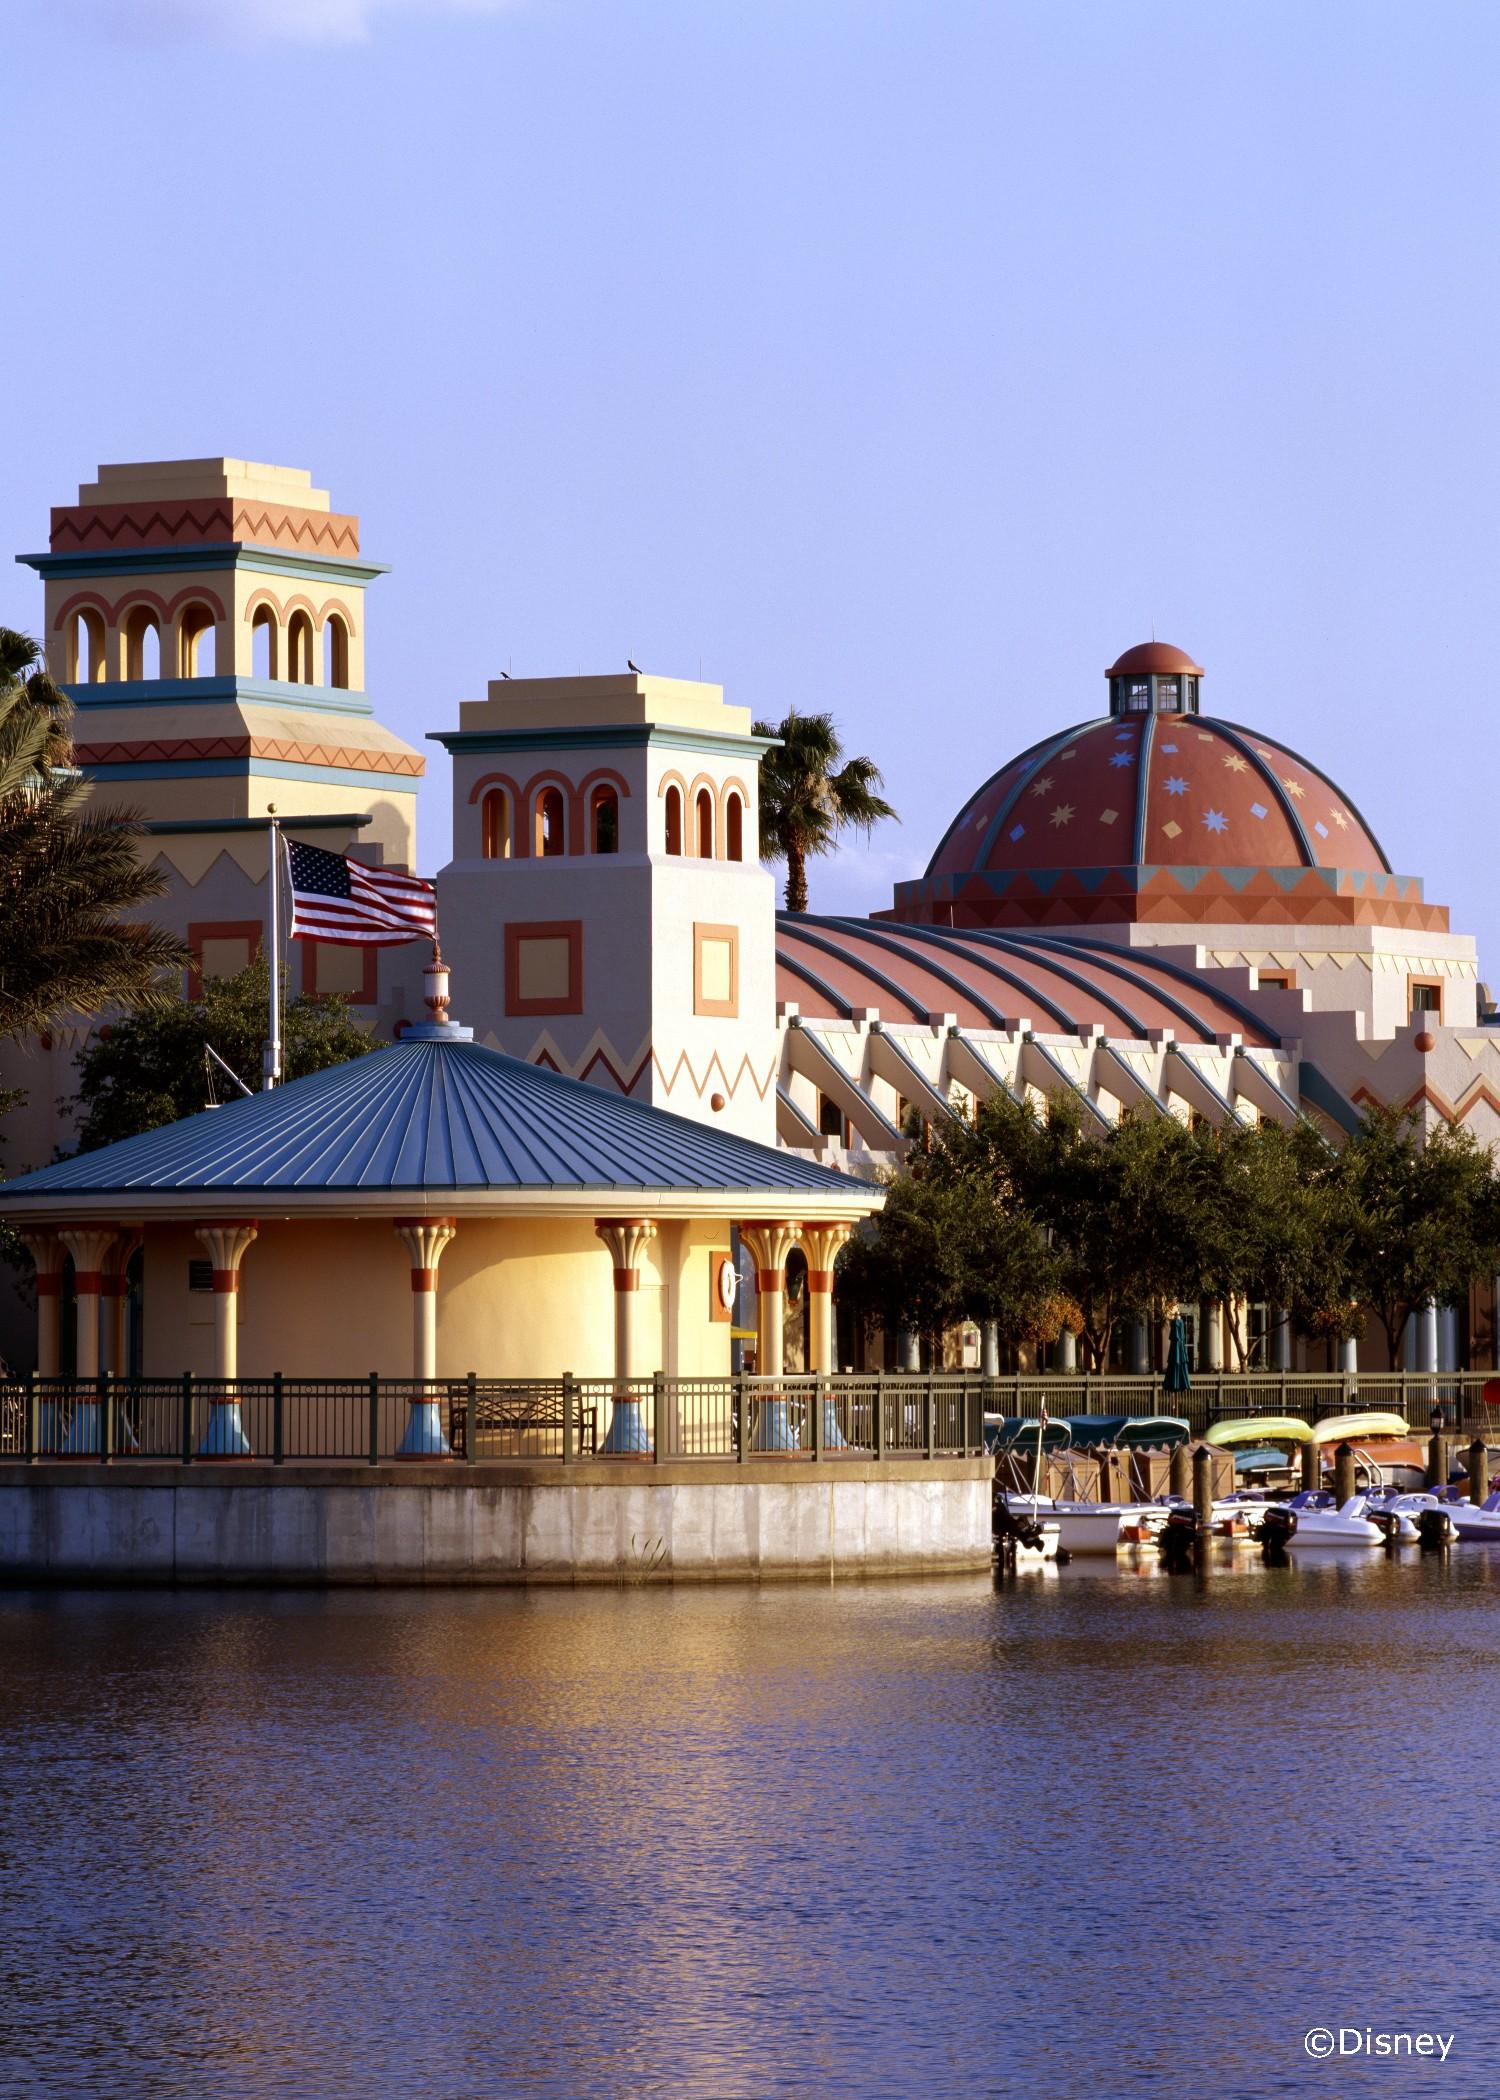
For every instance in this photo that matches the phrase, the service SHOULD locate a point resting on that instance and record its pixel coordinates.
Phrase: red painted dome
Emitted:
(1179, 790)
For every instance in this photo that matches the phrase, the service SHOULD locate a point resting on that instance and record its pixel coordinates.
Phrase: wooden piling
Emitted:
(1343, 1474)
(1479, 1471)
(1312, 1466)
(1437, 1460)
(1203, 1485)
(1181, 1475)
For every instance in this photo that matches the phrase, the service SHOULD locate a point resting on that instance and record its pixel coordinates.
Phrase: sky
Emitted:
(904, 359)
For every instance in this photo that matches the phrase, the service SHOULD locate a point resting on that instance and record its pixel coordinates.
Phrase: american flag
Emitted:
(340, 900)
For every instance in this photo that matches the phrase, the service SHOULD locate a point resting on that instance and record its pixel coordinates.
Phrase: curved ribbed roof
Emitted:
(431, 1115)
(1172, 790)
(1059, 983)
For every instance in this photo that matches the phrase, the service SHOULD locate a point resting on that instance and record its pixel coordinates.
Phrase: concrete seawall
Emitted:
(501, 1523)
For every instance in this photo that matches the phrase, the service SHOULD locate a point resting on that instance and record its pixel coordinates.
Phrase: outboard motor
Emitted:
(1388, 1523)
(1434, 1530)
(1012, 1531)
(1177, 1540)
(1278, 1524)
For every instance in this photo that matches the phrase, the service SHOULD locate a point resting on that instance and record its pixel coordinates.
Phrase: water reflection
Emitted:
(1095, 1832)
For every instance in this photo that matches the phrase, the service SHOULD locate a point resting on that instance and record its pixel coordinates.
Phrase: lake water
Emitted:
(1093, 1834)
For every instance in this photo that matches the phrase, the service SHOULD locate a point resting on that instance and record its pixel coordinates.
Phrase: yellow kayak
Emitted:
(1261, 1429)
(1359, 1429)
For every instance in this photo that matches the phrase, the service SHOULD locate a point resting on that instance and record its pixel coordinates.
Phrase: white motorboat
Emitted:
(1319, 1523)
(1476, 1521)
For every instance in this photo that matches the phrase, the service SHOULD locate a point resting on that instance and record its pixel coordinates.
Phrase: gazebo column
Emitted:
(424, 1240)
(88, 1245)
(821, 1243)
(115, 1291)
(769, 1245)
(627, 1239)
(226, 1242)
(49, 1254)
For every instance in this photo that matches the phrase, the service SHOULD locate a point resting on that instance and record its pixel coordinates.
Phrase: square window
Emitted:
(544, 966)
(716, 971)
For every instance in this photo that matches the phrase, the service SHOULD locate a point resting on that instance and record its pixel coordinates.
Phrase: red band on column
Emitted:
(820, 1279)
(627, 1279)
(87, 1282)
(424, 1279)
(226, 1279)
(48, 1285)
(770, 1279)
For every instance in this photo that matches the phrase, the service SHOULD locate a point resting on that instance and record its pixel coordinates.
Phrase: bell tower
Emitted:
(207, 618)
(605, 911)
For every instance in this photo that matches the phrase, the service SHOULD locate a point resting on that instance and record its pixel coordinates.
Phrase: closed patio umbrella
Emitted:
(1179, 1378)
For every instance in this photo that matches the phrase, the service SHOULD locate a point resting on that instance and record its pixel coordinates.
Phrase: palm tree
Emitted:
(67, 873)
(807, 797)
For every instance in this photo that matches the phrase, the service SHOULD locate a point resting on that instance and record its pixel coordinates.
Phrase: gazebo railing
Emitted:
(369, 1420)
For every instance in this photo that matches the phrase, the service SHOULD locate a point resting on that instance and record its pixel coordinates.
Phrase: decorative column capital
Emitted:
(627, 1240)
(821, 1243)
(227, 1240)
(88, 1245)
(770, 1242)
(126, 1241)
(48, 1253)
(424, 1240)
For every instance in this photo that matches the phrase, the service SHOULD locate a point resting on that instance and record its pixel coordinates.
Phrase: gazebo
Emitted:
(570, 1227)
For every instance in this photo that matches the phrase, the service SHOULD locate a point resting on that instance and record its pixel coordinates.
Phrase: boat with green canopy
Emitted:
(1128, 1432)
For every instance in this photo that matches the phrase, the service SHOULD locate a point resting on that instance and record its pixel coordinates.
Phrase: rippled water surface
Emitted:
(1095, 1834)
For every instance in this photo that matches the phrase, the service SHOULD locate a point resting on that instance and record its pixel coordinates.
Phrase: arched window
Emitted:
(86, 658)
(734, 828)
(494, 814)
(299, 649)
(196, 651)
(674, 820)
(142, 644)
(604, 821)
(548, 839)
(335, 651)
(703, 811)
(265, 644)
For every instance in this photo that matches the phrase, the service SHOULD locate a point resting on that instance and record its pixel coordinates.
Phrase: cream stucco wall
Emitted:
(516, 1298)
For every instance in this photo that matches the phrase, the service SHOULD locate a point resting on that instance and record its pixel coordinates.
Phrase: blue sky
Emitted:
(906, 360)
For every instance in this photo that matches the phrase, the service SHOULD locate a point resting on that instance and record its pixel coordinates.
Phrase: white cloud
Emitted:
(263, 21)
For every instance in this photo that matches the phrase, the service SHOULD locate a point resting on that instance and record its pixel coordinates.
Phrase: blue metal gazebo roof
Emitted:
(433, 1114)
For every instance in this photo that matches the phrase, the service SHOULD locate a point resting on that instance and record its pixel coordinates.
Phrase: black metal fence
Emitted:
(368, 1420)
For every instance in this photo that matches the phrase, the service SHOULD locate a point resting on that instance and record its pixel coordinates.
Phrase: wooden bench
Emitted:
(518, 1415)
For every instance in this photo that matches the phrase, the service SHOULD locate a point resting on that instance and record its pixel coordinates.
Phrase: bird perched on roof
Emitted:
(632, 665)
(505, 674)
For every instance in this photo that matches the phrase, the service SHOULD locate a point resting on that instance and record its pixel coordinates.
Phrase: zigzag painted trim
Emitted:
(172, 524)
(601, 1057)
(357, 757)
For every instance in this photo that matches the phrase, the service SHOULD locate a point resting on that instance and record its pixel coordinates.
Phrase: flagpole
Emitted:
(271, 1062)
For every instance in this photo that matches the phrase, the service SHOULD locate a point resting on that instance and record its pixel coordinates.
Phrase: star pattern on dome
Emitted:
(1233, 800)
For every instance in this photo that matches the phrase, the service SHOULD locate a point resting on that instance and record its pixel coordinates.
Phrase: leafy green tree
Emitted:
(151, 1067)
(1421, 1212)
(68, 874)
(809, 793)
